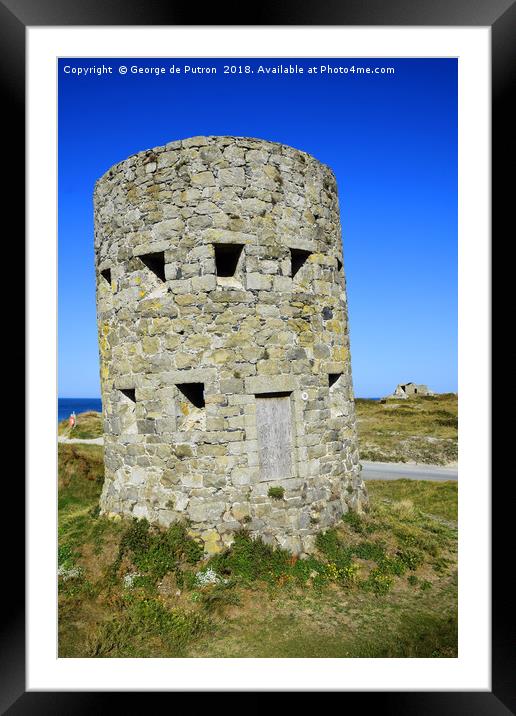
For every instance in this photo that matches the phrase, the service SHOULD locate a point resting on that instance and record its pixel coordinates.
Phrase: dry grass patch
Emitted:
(88, 425)
(421, 429)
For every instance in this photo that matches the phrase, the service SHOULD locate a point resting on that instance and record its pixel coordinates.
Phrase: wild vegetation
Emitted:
(419, 429)
(381, 584)
(88, 425)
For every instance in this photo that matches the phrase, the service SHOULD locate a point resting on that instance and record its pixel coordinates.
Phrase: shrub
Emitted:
(349, 574)
(155, 552)
(251, 559)
(411, 558)
(378, 582)
(392, 565)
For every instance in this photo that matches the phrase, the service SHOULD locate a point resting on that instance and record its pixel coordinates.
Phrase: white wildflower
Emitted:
(68, 573)
(209, 576)
(129, 579)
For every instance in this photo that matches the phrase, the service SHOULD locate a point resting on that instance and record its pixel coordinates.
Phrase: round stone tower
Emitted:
(224, 349)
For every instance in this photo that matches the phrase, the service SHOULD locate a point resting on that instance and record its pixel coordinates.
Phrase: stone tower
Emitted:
(224, 349)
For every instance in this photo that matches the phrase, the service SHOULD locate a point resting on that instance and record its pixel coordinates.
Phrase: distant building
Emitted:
(409, 390)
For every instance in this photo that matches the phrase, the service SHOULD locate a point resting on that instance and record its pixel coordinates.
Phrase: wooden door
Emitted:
(274, 428)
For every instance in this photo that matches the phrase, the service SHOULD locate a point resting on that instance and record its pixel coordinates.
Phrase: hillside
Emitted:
(88, 425)
(380, 585)
(422, 429)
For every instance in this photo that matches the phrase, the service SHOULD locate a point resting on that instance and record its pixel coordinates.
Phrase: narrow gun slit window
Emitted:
(155, 262)
(226, 258)
(194, 392)
(333, 378)
(106, 274)
(298, 258)
(339, 264)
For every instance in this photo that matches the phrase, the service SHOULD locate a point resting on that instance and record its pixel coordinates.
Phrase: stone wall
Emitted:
(220, 286)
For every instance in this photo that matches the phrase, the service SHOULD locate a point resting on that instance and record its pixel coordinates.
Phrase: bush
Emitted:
(251, 559)
(392, 565)
(378, 582)
(411, 558)
(155, 552)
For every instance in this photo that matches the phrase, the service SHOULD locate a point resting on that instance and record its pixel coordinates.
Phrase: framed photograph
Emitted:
(258, 311)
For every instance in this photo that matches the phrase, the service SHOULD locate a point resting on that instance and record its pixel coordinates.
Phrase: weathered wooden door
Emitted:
(274, 428)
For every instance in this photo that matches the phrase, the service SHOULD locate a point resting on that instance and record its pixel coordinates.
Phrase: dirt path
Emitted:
(86, 441)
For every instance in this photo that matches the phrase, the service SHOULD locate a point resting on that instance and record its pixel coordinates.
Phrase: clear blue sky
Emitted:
(391, 141)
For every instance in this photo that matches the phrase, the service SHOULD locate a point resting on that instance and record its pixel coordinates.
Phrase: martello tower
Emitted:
(224, 349)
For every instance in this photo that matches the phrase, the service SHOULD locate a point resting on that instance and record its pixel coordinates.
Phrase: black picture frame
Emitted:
(500, 16)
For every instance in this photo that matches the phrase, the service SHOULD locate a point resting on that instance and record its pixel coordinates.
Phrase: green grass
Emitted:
(88, 425)
(436, 498)
(421, 429)
(373, 628)
(381, 584)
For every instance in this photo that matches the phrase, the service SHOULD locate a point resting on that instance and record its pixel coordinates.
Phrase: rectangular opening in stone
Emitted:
(298, 258)
(127, 411)
(194, 392)
(274, 432)
(226, 258)
(106, 274)
(333, 378)
(339, 264)
(155, 262)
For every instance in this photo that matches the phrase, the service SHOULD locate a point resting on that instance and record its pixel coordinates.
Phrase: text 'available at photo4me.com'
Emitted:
(259, 69)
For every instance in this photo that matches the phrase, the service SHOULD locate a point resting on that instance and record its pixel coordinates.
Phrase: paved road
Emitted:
(407, 471)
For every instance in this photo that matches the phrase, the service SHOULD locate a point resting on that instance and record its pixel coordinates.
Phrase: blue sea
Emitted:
(66, 405)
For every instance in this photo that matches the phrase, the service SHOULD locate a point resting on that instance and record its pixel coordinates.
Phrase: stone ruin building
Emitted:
(409, 390)
(224, 349)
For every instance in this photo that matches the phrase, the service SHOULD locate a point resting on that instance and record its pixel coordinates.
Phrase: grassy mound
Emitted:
(381, 584)
(88, 425)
